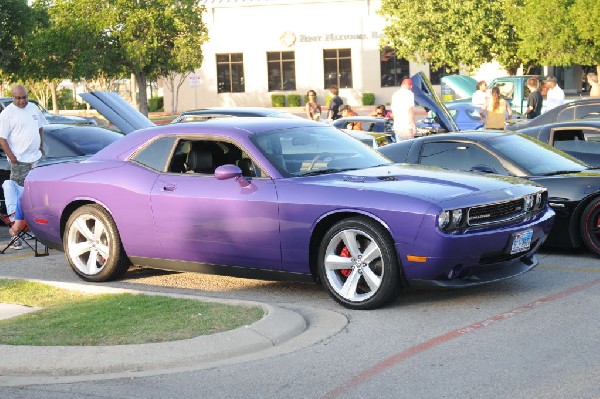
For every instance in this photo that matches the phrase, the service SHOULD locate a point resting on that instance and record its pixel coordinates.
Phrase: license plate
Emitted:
(521, 241)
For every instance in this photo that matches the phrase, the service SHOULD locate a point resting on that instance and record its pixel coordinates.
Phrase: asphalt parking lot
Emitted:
(533, 336)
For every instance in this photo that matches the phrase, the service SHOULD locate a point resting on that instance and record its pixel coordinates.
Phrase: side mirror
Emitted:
(231, 171)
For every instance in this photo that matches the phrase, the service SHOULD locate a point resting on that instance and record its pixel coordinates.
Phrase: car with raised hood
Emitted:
(53, 118)
(284, 199)
(573, 187)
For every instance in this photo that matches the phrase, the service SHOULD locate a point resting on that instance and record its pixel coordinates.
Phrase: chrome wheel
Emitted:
(353, 265)
(358, 264)
(88, 245)
(93, 246)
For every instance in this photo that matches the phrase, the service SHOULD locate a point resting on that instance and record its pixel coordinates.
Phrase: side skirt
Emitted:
(233, 271)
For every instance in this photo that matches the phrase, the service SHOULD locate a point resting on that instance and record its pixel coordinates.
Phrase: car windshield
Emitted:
(315, 150)
(534, 156)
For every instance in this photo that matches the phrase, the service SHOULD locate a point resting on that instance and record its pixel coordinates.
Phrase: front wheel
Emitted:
(93, 246)
(358, 264)
(590, 226)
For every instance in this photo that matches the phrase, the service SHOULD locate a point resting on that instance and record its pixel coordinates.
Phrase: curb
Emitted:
(279, 327)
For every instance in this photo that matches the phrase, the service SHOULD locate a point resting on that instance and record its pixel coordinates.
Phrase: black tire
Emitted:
(590, 226)
(93, 246)
(370, 280)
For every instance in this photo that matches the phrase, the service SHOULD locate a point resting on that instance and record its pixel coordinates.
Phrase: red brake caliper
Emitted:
(345, 254)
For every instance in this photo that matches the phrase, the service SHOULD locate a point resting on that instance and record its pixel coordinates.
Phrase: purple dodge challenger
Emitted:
(272, 199)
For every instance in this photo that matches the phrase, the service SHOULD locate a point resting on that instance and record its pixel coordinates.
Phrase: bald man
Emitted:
(21, 134)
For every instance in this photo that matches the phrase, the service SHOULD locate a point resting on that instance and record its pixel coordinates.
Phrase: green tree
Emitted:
(16, 21)
(145, 35)
(585, 16)
(450, 33)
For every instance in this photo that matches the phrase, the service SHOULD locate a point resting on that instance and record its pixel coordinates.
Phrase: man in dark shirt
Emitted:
(535, 99)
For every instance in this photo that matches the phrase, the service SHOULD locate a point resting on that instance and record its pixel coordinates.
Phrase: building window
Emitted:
(337, 66)
(393, 69)
(281, 66)
(435, 75)
(230, 73)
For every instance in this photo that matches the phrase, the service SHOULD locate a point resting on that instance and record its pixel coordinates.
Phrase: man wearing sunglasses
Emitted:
(21, 134)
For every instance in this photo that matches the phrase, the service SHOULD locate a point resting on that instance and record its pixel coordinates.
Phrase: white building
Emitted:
(262, 47)
(258, 48)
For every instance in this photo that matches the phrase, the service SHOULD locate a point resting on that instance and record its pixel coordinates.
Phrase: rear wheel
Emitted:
(590, 226)
(358, 264)
(93, 246)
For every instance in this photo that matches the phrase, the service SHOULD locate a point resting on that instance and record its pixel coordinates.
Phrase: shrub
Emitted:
(294, 100)
(155, 104)
(278, 100)
(368, 99)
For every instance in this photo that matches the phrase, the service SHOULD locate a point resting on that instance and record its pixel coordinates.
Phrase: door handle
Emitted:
(169, 187)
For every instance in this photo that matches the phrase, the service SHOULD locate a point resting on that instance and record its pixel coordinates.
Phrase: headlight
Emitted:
(457, 215)
(444, 219)
(538, 200)
(450, 220)
(529, 202)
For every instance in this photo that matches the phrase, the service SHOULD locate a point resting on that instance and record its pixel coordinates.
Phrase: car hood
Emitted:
(461, 85)
(426, 97)
(117, 111)
(433, 184)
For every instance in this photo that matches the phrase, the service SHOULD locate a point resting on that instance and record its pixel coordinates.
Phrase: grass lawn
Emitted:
(74, 318)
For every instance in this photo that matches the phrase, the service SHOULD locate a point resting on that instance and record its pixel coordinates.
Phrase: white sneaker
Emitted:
(18, 244)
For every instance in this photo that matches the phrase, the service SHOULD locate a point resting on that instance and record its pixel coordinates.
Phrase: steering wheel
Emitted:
(319, 157)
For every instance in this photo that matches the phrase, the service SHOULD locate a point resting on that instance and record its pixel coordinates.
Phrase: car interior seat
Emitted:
(199, 160)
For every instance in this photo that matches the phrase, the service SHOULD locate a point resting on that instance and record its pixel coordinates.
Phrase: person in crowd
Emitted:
(12, 200)
(495, 112)
(312, 107)
(334, 104)
(555, 96)
(535, 99)
(346, 111)
(21, 134)
(592, 79)
(381, 112)
(481, 95)
(403, 104)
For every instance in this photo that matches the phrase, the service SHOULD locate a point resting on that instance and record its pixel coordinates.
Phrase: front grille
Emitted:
(498, 212)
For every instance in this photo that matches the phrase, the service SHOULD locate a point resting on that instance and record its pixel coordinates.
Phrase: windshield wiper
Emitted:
(326, 171)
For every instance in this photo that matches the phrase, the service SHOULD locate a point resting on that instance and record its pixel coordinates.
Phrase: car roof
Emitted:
(233, 111)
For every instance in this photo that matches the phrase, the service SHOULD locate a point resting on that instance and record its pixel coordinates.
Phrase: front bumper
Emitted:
(472, 258)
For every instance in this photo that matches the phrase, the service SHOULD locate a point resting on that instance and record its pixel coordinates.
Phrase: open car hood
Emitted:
(462, 86)
(117, 111)
(426, 97)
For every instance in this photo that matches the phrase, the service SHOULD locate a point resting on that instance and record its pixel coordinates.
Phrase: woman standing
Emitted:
(495, 111)
(312, 107)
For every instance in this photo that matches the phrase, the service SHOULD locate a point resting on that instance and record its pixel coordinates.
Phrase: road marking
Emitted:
(571, 269)
(440, 339)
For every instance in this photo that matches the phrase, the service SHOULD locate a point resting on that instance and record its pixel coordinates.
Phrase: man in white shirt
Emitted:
(21, 134)
(555, 95)
(403, 111)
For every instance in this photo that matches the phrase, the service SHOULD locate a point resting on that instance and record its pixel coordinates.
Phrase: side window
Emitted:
(459, 156)
(587, 111)
(566, 115)
(204, 156)
(156, 154)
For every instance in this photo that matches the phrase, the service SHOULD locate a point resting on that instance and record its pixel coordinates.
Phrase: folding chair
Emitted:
(24, 235)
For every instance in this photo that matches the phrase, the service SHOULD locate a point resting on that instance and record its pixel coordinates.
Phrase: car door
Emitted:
(199, 218)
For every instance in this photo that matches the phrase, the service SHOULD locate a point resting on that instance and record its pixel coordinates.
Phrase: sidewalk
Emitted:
(284, 329)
